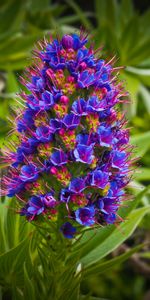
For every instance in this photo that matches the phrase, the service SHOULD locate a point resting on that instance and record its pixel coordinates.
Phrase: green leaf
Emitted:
(117, 237)
(29, 292)
(99, 268)
(142, 142)
(143, 174)
(129, 34)
(137, 71)
(11, 15)
(12, 84)
(124, 211)
(10, 219)
(132, 86)
(140, 52)
(126, 9)
(145, 94)
(38, 5)
(11, 264)
(18, 45)
(93, 238)
(85, 21)
(106, 13)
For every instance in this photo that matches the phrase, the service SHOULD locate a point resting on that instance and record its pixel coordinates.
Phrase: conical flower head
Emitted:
(72, 161)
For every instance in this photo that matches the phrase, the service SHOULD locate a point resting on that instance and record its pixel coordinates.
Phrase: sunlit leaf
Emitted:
(117, 237)
(142, 142)
(99, 268)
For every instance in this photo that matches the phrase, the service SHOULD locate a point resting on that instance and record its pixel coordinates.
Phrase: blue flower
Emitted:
(84, 55)
(115, 191)
(71, 121)
(37, 84)
(109, 219)
(107, 205)
(85, 216)
(14, 187)
(119, 159)
(58, 158)
(55, 125)
(85, 79)
(26, 121)
(105, 136)
(29, 173)
(77, 185)
(47, 100)
(68, 230)
(94, 104)
(43, 134)
(65, 195)
(35, 205)
(27, 147)
(84, 154)
(79, 107)
(85, 139)
(99, 179)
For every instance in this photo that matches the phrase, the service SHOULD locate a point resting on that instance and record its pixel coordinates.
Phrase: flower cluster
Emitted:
(72, 158)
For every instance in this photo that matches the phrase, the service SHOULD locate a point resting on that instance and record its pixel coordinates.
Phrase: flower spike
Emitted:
(72, 161)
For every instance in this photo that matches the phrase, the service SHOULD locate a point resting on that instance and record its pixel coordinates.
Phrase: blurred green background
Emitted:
(123, 28)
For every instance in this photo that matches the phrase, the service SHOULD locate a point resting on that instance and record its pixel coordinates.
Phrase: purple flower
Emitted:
(119, 159)
(43, 134)
(107, 205)
(55, 125)
(49, 201)
(67, 41)
(14, 187)
(37, 84)
(84, 154)
(85, 79)
(122, 138)
(26, 121)
(27, 147)
(105, 136)
(99, 179)
(65, 195)
(44, 103)
(94, 104)
(35, 205)
(79, 107)
(85, 216)
(47, 100)
(115, 191)
(109, 219)
(71, 121)
(29, 173)
(85, 59)
(59, 158)
(68, 230)
(78, 42)
(85, 139)
(77, 185)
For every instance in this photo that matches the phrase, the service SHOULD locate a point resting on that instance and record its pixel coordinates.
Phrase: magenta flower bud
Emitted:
(64, 99)
(67, 41)
(83, 65)
(53, 170)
